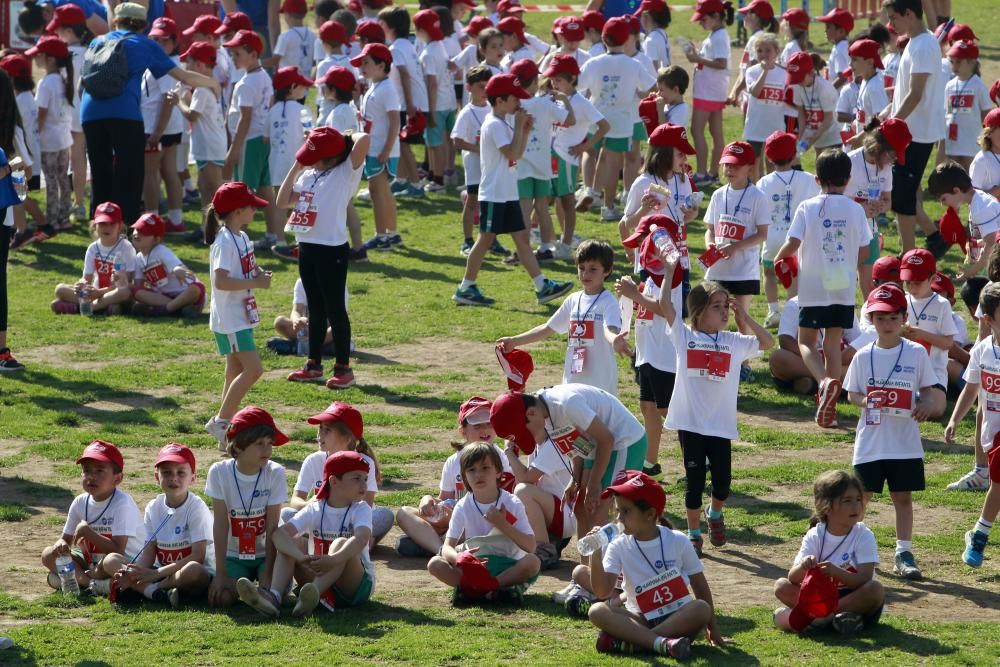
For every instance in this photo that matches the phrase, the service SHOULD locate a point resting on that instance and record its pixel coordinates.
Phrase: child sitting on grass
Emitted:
(163, 285)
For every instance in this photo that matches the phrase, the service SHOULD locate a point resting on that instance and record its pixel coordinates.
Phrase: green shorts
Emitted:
(639, 132)
(532, 188)
(359, 596)
(874, 252)
(201, 164)
(241, 341)
(767, 264)
(495, 564)
(631, 459)
(251, 569)
(254, 169)
(615, 144)
(444, 123)
(564, 182)
(373, 167)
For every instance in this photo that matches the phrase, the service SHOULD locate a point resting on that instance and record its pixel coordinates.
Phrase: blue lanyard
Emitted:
(303, 36)
(663, 555)
(105, 258)
(725, 199)
(158, 528)
(922, 310)
(495, 505)
(715, 340)
(97, 518)
(322, 517)
(589, 308)
(246, 510)
(822, 541)
(788, 194)
(241, 254)
(871, 360)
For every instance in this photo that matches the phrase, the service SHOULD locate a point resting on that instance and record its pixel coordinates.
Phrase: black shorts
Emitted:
(906, 178)
(472, 190)
(758, 148)
(655, 385)
(826, 317)
(35, 183)
(500, 217)
(459, 94)
(901, 474)
(741, 287)
(168, 140)
(411, 140)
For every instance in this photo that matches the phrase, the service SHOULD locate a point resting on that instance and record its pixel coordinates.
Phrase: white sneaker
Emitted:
(782, 616)
(577, 240)
(217, 428)
(562, 251)
(972, 481)
(100, 587)
(364, 195)
(772, 320)
(610, 214)
(250, 594)
(560, 596)
(307, 600)
(434, 188)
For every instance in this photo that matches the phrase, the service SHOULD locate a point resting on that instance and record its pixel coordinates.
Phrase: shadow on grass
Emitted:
(393, 397)
(31, 493)
(740, 560)
(914, 590)
(882, 638)
(368, 620)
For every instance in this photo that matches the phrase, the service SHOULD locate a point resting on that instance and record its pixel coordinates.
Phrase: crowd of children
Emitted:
(538, 124)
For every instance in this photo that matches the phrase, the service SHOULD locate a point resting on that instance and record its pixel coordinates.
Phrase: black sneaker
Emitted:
(395, 240)
(498, 249)
(410, 549)
(195, 236)
(544, 255)
(653, 471)
(8, 364)
(21, 239)
(937, 245)
(160, 595)
(359, 255)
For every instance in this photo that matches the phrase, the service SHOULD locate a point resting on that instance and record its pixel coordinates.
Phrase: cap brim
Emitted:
(685, 147)
(524, 440)
(635, 240)
(233, 43)
(103, 458)
(514, 10)
(522, 94)
(259, 202)
(171, 458)
(103, 219)
(696, 17)
(479, 416)
(160, 33)
(221, 30)
(731, 159)
(357, 61)
(53, 25)
(32, 52)
(189, 31)
(280, 438)
(908, 275)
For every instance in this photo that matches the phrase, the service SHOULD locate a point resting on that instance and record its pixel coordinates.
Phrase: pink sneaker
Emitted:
(342, 378)
(60, 307)
(309, 373)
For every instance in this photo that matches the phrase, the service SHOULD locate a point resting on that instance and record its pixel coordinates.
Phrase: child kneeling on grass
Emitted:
(838, 545)
(163, 285)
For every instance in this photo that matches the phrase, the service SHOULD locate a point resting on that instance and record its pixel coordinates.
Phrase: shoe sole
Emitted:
(174, 598)
(469, 302)
(826, 413)
(848, 624)
(299, 379)
(712, 539)
(340, 386)
(308, 600)
(555, 295)
(250, 595)
(584, 204)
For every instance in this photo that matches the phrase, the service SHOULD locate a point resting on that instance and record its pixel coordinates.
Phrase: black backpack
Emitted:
(105, 68)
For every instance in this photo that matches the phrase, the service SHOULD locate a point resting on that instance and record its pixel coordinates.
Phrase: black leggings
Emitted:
(5, 235)
(323, 270)
(116, 151)
(696, 448)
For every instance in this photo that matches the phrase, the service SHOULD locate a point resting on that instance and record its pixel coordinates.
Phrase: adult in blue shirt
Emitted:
(264, 16)
(113, 126)
(613, 8)
(36, 14)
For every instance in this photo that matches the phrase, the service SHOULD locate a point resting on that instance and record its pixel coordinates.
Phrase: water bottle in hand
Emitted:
(86, 305)
(20, 183)
(693, 200)
(802, 146)
(302, 343)
(662, 240)
(597, 541)
(67, 575)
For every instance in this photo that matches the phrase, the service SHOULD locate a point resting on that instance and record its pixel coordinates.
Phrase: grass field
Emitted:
(140, 383)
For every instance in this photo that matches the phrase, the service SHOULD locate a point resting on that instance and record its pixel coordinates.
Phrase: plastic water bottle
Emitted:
(20, 183)
(662, 240)
(302, 343)
(802, 146)
(693, 200)
(67, 575)
(625, 307)
(86, 306)
(597, 541)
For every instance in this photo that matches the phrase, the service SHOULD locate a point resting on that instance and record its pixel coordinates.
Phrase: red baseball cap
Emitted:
(471, 4)
(561, 63)
(796, 67)
(942, 284)
(333, 32)
(164, 27)
(786, 269)
(570, 29)
(961, 31)
(477, 25)
(886, 299)
(101, 450)
(952, 229)
(645, 227)
(886, 269)
(593, 20)
(648, 113)
(992, 119)
(509, 7)
(866, 48)
(672, 135)
(150, 224)
(706, 7)
(375, 51)
(512, 25)
(839, 17)
(286, 77)
(321, 144)
(995, 92)
(293, 7)
(501, 85)
(175, 453)
(50, 45)
(917, 265)
(16, 65)
(338, 411)
(339, 464)
(651, 6)
(797, 18)
(254, 416)
(761, 8)
(475, 410)
(510, 421)
(780, 147)
(525, 70)
(517, 365)
(616, 30)
(203, 52)
(371, 31)
(234, 195)
(964, 50)
(428, 21)
(897, 133)
(340, 78)
(634, 24)
(67, 14)
(234, 23)
(108, 212)
(637, 485)
(246, 38)
(206, 24)
(738, 153)
(649, 255)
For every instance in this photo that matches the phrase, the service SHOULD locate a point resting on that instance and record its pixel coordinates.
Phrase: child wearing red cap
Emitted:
(296, 46)
(202, 108)
(288, 123)
(758, 20)
(968, 101)
(178, 560)
(493, 530)
(107, 268)
(103, 528)
(55, 98)
(867, 66)
(765, 108)
(795, 27)
(424, 526)
(840, 546)
(567, 33)
(334, 39)
(20, 71)
(441, 102)
(515, 44)
(891, 380)
(958, 355)
(163, 285)
(657, 569)
(815, 100)
(234, 314)
(593, 26)
(985, 168)
(209, 29)
(953, 187)
(838, 24)
(247, 491)
(654, 16)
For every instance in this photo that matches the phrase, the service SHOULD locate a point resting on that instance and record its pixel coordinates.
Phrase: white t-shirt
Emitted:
(118, 516)
(101, 261)
(872, 98)
(709, 83)
(376, 104)
(644, 60)
(784, 191)
(574, 407)
(326, 195)
(208, 134)
(234, 254)
(297, 47)
(584, 317)
(311, 473)
(922, 56)
(838, 61)
(323, 523)
(451, 473)
(847, 552)
(933, 314)
(342, 117)
(247, 498)
(965, 103)
(287, 134)
(498, 179)
(468, 125)
(322, 67)
(191, 523)
(28, 109)
(750, 52)
(51, 95)
(468, 57)
(639, 562)
(678, 114)
(579, 55)
(652, 344)
(819, 100)
(680, 188)
(523, 53)
(537, 159)
(790, 49)
(157, 270)
(868, 181)
(902, 372)
(586, 116)
(891, 62)
(404, 55)
(556, 469)
(984, 215)
(434, 61)
(254, 90)
(985, 170)
(735, 215)
(468, 519)
(765, 112)
(831, 228)
(961, 331)
(616, 82)
(847, 104)
(984, 370)
(76, 52)
(656, 45)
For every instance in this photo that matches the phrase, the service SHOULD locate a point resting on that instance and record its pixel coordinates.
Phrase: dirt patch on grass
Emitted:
(69, 356)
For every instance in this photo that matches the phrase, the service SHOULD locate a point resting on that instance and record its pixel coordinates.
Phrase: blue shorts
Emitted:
(444, 123)
(373, 167)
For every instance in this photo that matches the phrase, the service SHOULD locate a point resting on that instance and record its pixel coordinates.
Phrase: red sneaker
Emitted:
(609, 644)
(342, 378)
(309, 373)
(60, 307)
(826, 409)
(172, 228)
(328, 600)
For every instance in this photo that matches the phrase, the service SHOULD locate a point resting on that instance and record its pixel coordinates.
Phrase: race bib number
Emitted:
(581, 333)
(662, 595)
(962, 103)
(708, 364)
(320, 546)
(166, 556)
(643, 317)
(250, 309)
(248, 263)
(303, 217)
(459, 489)
(246, 532)
(898, 402)
(814, 118)
(571, 442)
(729, 228)
(104, 269)
(155, 274)
(771, 94)
(991, 387)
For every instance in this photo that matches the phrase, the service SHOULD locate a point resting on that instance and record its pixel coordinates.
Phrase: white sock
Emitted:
(903, 545)
(466, 283)
(539, 281)
(175, 216)
(149, 590)
(983, 526)
(773, 307)
(187, 184)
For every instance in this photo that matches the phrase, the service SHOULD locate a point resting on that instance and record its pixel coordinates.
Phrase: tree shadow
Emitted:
(393, 397)
(881, 638)
(35, 494)
(756, 567)
(914, 590)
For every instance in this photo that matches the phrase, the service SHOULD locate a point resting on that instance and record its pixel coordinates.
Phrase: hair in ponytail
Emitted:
(212, 224)
(66, 63)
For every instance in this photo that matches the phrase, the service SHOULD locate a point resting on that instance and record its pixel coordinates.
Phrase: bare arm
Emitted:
(226, 282)
(541, 332)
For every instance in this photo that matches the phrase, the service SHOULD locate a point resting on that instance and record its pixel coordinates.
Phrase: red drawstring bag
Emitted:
(818, 595)
(476, 580)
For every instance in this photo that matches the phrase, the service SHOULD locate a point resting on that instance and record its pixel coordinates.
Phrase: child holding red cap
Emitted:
(103, 528)
(107, 268)
(658, 571)
(288, 122)
(247, 491)
(838, 545)
(233, 314)
(838, 24)
(953, 187)
(891, 380)
(985, 168)
(55, 98)
(296, 46)
(163, 285)
(968, 102)
(178, 560)
(202, 108)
